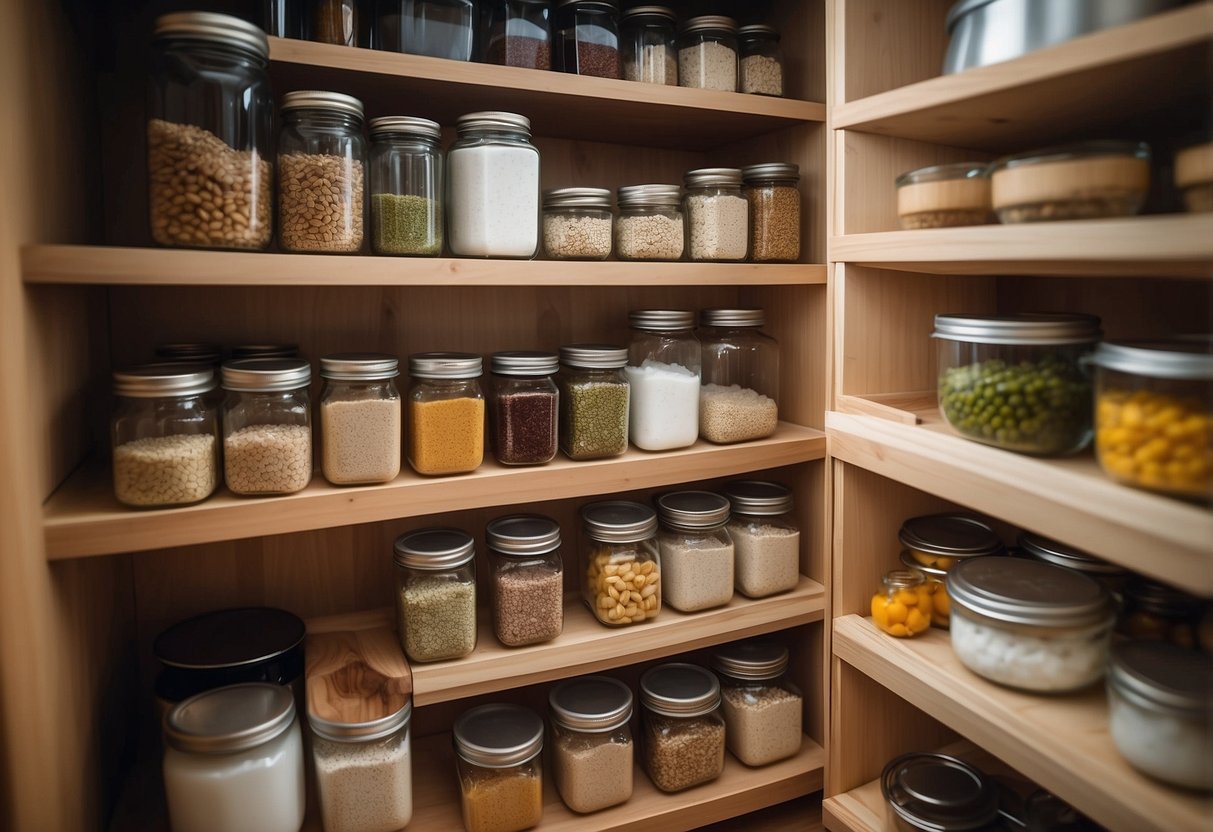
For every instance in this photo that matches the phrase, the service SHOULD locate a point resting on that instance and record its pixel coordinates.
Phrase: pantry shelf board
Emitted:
(1068, 499)
(1118, 79)
(1062, 740)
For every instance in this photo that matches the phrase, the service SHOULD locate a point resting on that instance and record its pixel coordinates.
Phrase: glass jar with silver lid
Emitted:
(937, 792)
(760, 64)
(436, 594)
(267, 426)
(360, 419)
(498, 758)
(577, 223)
(592, 747)
(707, 53)
(648, 45)
(774, 199)
(935, 543)
(528, 579)
(740, 396)
(696, 550)
(766, 538)
(594, 401)
(663, 374)
(718, 215)
(446, 413)
(682, 731)
(762, 709)
(406, 186)
(621, 564)
(650, 224)
(524, 408)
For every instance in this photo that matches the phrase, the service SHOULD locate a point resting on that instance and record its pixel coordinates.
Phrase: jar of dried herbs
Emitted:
(682, 731)
(406, 186)
(446, 413)
(524, 408)
(594, 400)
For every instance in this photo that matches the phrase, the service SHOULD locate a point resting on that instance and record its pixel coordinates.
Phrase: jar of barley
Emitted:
(267, 426)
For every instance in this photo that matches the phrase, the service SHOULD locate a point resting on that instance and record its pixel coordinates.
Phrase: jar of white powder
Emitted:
(739, 399)
(762, 709)
(707, 53)
(359, 418)
(663, 371)
(592, 748)
(650, 224)
(766, 538)
(696, 550)
(718, 216)
(267, 426)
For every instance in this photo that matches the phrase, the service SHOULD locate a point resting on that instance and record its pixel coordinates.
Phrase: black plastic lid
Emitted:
(938, 793)
(952, 535)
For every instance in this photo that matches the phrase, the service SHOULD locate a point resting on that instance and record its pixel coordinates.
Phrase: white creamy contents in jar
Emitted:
(1165, 746)
(664, 405)
(494, 201)
(1013, 657)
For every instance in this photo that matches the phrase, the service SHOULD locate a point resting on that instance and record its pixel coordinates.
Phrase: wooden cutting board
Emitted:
(356, 676)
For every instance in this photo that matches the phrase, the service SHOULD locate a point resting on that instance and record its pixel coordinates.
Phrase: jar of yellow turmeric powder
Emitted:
(446, 413)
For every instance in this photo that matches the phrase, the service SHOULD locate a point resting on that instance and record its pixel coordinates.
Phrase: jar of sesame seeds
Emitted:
(528, 579)
(267, 426)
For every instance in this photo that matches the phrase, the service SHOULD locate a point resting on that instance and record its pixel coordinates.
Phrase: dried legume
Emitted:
(405, 224)
(1156, 440)
(735, 414)
(268, 459)
(320, 202)
(594, 419)
(625, 587)
(437, 618)
(446, 436)
(165, 470)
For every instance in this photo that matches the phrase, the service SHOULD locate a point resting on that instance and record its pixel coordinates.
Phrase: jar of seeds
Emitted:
(577, 223)
(497, 756)
(774, 203)
(718, 216)
(766, 538)
(650, 224)
(762, 709)
(586, 37)
(406, 186)
(622, 568)
(594, 401)
(740, 392)
(528, 579)
(760, 67)
(359, 418)
(436, 594)
(592, 746)
(682, 731)
(524, 409)
(696, 550)
(707, 53)
(649, 54)
(267, 426)
(446, 413)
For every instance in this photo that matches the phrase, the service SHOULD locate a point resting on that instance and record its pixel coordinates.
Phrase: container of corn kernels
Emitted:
(942, 196)
(1089, 180)
(1194, 176)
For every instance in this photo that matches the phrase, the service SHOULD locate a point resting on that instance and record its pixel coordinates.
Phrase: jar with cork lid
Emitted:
(446, 413)
(267, 426)
(360, 418)
(528, 579)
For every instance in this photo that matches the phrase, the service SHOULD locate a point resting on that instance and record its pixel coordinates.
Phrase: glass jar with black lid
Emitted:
(648, 38)
(682, 731)
(515, 33)
(406, 186)
(939, 792)
(586, 35)
(1039, 547)
(935, 543)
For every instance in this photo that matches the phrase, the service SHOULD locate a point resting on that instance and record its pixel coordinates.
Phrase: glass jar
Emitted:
(766, 538)
(934, 791)
(1157, 612)
(516, 33)
(359, 418)
(594, 401)
(497, 757)
(282, 18)
(406, 186)
(621, 557)
(707, 53)
(650, 224)
(528, 579)
(436, 594)
(649, 53)
(902, 604)
(696, 550)
(321, 180)
(267, 426)
(739, 399)
(1041, 548)
(234, 760)
(774, 203)
(944, 196)
(1194, 176)
(1088, 180)
(333, 21)
(592, 748)
(663, 375)
(493, 187)
(437, 28)
(586, 35)
(577, 223)
(681, 726)
(210, 136)
(1017, 382)
(760, 63)
(525, 407)
(164, 435)
(762, 709)
(935, 543)
(718, 216)
(446, 413)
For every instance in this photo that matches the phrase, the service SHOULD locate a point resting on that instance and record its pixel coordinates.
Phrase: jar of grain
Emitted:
(707, 53)
(497, 756)
(592, 746)
(682, 731)
(594, 398)
(436, 594)
(663, 374)
(586, 34)
(766, 538)
(210, 136)
(359, 418)
(740, 391)
(762, 708)
(760, 63)
(446, 413)
(935, 543)
(267, 426)
(516, 33)
(577, 223)
(718, 216)
(333, 21)
(650, 224)
(649, 52)
(406, 186)
(524, 408)
(696, 550)
(528, 579)
(774, 202)
(321, 180)
(622, 566)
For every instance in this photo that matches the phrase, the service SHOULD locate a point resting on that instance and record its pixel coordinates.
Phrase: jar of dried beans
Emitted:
(718, 215)
(707, 53)
(359, 418)
(766, 538)
(760, 66)
(592, 748)
(648, 45)
(436, 594)
(587, 37)
(696, 550)
(498, 759)
(682, 736)
(774, 202)
(516, 33)
(762, 709)
(267, 426)
(622, 567)
(446, 413)
(406, 186)
(577, 223)
(740, 391)
(524, 409)
(594, 396)
(650, 224)
(528, 579)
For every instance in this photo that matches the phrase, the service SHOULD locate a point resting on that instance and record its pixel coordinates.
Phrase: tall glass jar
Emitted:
(164, 435)
(515, 33)
(528, 579)
(622, 566)
(360, 421)
(592, 748)
(437, 28)
(446, 413)
(935, 543)
(321, 172)
(696, 550)
(707, 53)
(760, 67)
(740, 395)
(210, 137)
(577, 223)
(493, 187)
(586, 35)
(663, 375)
(682, 731)
(594, 396)
(774, 211)
(649, 54)
(650, 224)
(497, 758)
(406, 186)
(267, 426)
(333, 21)
(436, 594)
(718, 215)
(766, 538)
(524, 411)
(762, 708)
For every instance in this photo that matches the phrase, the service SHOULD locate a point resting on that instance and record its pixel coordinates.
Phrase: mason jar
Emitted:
(436, 594)
(707, 53)
(650, 225)
(739, 399)
(498, 761)
(696, 550)
(760, 60)
(528, 579)
(446, 413)
(663, 375)
(437, 28)
(359, 418)
(774, 200)
(591, 742)
(935, 543)
(586, 35)
(762, 709)
(267, 426)
(620, 556)
(766, 538)
(649, 53)
(407, 200)
(515, 33)
(524, 408)
(594, 401)
(210, 139)
(577, 223)
(718, 215)
(682, 730)
(901, 605)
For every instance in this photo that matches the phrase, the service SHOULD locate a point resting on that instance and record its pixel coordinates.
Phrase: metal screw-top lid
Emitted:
(1018, 591)
(1162, 677)
(763, 499)
(594, 356)
(732, 317)
(336, 102)
(266, 375)
(1027, 328)
(943, 173)
(359, 366)
(650, 196)
(493, 120)
(217, 28)
(758, 30)
(1188, 358)
(770, 170)
(649, 11)
(407, 125)
(445, 365)
(754, 659)
(680, 689)
(523, 534)
(938, 793)
(693, 510)
(951, 535)
(375, 729)
(229, 638)
(498, 736)
(594, 704)
(1160, 599)
(151, 381)
(524, 363)
(265, 351)
(1059, 554)
(704, 177)
(210, 354)
(662, 320)
(230, 719)
(618, 521)
(707, 23)
(434, 549)
(577, 198)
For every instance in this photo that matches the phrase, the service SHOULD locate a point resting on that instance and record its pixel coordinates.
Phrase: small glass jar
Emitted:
(774, 199)
(525, 407)
(766, 538)
(718, 215)
(622, 566)
(649, 52)
(210, 138)
(516, 33)
(1111, 576)
(760, 60)
(528, 579)
(664, 378)
(586, 35)
(763, 710)
(436, 594)
(1194, 176)
(944, 196)
(935, 543)
(934, 791)
(406, 186)
(446, 413)
(1157, 612)
(594, 401)
(902, 604)
(497, 758)
(577, 223)
(493, 187)
(1018, 382)
(739, 399)
(591, 741)
(681, 727)
(650, 224)
(1088, 180)
(267, 426)
(234, 760)
(707, 53)
(333, 21)
(696, 550)
(359, 418)
(437, 28)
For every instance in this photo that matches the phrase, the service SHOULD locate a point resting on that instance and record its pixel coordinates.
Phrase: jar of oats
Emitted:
(707, 53)
(592, 746)
(762, 709)
(740, 391)
(718, 216)
(650, 224)
(436, 594)
(577, 223)
(682, 730)
(528, 579)
(267, 426)
(360, 422)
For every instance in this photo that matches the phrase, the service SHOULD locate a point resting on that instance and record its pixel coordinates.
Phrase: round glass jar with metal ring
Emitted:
(592, 747)
(621, 565)
(524, 408)
(740, 396)
(774, 199)
(649, 45)
(436, 594)
(594, 401)
(267, 426)
(938, 792)
(766, 538)
(650, 225)
(935, 543)
(528, 579)
(707, 53)
(360, 418)
(763, 710)
(944, 196)
(696, 550)
(718, 215)
(682, 731)
(760, 60)
(664, 377)
(406, 186)
(1038, 547)
(516, 33)
(901, 605)
(577, 223)
(586, 37)
(498, 759)
(446, 413)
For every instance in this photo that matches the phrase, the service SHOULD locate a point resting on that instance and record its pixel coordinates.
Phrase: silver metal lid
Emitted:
(693, 510)
(1078, 150)
(712, 176)
(445, 365)
(408, 125)
(650, 11)
(650, 196)
(1174, 358)
(680, 689)
(337, 102)
(757, 30)
(375, 729)
(1027, 328)
(229, 638)
(618, 521)
(524, 363)
(265, 351)
(1162, 677)
(211, 354)
(151, 381)
(1059, 554)
(938, 793)
(708, 22)
(498, 736)
(662, 320)
(754, 659)
(523, 534)
(594, 356)
(763, 499)
(594, 704)
(732, 317)
(1029, 592)
(218, 28)
(577, 198)
(951, 535)
(943, 173)
(266, 375)
(230, 719)
(359, 366)
(434, 549)
(770, 170)
(493, 120)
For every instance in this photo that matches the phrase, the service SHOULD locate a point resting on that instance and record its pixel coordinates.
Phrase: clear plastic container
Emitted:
(944, 196)
(774, 198)
(591, 742)
(763, 710)
(516, 33)
(436, 594)
(1194, 176)
(718, 215)
(446, 413)
(766, 538)
(621, 556)
(902, 604)
(437, 28)
(739, 399)
(267, 426)
(649, 52)
(594, 401)
(682, 730)
(406, 186)
(707, 53)
(577, 223)
(586, 36)
(651, 225)
(935, 543)
(1089, 180)
(360, 418)
(498, 760)
(696, 550)
(525, 407)
(663, 374)
(528, 579)
(760, 61)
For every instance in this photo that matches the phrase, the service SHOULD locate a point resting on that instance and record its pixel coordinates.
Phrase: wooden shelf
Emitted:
(1061, 740)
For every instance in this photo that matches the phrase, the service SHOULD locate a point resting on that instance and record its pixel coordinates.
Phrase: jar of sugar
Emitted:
(696, 550)
(267, 426)
(359, 418)
(739, 399)
(663, 372)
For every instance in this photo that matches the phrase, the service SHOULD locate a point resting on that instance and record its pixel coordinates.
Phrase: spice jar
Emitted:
(1111, 576)
(586, 33)
(577, 223)
(649, 52)
(493, 187)
(437, 28)
(717, 215)
(359, 418)
(696, 550)
(944, 196)
(516, 33)
(446, 413)
(1083, 181)
(774, 202)
(210, 137)
(766, 538)
(937, 792)
(525, 407)
(234, 760)
(762, 709)
(406, 186)
(937, 542)
(1194, 176)
(760, 64)
(267, 426)
(902, 605)
(497, 755)
(528, 579)
(707, 53)
(592, 747)
(682, 730)
(1157, 612)
(436, 594)
(650, 224)
(663, 375)
(594, 398)
(740, 391)
(333, 21)
(622, 566)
